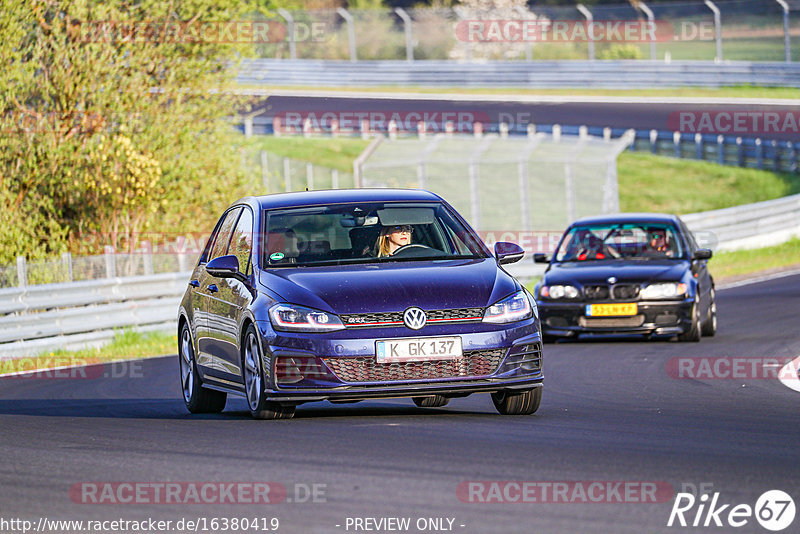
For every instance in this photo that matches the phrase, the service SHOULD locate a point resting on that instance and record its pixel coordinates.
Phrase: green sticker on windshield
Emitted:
(276, 256)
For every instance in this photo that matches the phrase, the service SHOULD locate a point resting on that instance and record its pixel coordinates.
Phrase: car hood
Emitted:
(634, 271)
(392, 286)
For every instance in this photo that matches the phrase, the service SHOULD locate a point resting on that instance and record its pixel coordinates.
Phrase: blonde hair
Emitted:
(382, 247)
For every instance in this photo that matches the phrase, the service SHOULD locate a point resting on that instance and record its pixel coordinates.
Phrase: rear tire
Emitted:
(197, 398)
(693, 334)
(710, 323)
(433, 401)
(517, 403)
(260, 407)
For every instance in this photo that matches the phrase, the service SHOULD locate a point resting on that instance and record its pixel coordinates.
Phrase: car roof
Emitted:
(617, 218)
(339, 196)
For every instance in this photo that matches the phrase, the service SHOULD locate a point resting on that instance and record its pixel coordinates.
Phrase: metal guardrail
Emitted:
(45, 317)
(754, 225)
(532, 74)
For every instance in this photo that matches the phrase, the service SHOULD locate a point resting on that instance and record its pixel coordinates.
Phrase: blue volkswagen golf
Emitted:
(350, 295)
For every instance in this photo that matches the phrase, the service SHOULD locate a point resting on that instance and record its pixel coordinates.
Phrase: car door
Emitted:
(212, 331)
(699, 271)
(234, 295)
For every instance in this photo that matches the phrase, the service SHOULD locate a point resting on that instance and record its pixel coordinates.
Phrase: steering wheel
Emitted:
(404, 250)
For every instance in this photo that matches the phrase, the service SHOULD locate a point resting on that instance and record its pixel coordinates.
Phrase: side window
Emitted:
(224, 234)
(242, 240)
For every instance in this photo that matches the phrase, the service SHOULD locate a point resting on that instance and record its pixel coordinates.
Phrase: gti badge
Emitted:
(612, 280)
(415, 318)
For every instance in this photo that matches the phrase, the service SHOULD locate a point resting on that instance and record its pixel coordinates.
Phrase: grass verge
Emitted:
(730, 266)
(126, 344)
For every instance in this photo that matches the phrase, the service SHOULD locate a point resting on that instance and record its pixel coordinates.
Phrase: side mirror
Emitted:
(540, 257)
(702, 254)
(507, 252)
(224, 267)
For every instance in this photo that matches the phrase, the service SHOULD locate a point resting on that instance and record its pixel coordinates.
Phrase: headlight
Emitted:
(294, 318)
(514, 308)
(669, 290)
(559, 292)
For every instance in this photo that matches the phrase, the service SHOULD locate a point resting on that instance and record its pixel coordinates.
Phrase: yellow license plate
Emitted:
(611, 310)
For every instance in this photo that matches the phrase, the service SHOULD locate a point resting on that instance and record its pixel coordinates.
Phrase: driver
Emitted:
(392, 238)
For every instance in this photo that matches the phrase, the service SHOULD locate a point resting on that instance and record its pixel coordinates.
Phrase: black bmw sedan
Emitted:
(627, 274)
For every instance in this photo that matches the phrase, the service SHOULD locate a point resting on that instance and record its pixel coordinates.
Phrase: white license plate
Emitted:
(418, 349)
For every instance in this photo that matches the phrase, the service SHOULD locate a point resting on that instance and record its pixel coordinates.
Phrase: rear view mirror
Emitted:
(224, 267)
(702, 254)
(540, 257)
(507, 252)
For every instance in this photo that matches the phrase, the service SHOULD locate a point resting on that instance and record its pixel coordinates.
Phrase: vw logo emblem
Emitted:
(415, 318)
(612, 279)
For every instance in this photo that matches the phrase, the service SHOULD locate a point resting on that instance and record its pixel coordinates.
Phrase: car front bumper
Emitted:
(342, 366)
(666, 317)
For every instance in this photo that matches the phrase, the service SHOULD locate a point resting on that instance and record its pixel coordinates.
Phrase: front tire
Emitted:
(260, 407)
(433, 401)
(710, 323)
(197, 398)
(517, 402)
(693, 334)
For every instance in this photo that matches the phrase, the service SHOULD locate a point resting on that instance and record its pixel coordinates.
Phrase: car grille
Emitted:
(376, 320)
(367, 369)
(611, 322)
(626, 291)
(596, 292)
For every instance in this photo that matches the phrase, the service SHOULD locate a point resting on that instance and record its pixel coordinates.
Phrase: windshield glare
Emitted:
(621, 241)
(342, 234)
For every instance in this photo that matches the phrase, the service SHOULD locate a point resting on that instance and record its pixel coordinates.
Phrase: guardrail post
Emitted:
(717, 28)
(556, 133)
(287, 175)
(787, 45)
(503, 129)
(265, 171)
(698, 143)
(676, 142)
(759, 154)
(739, 152)
(334, 179)
(22, 272)
(248, 127)
(654, 141)
(351, 31)
(651, 20)
(776, 156)
(721, 150)
(66, 262)
(290, 24)
(792, 156)
(111, 265)
(407, 30)
(607, 134)
(422, 176)
(589, 35)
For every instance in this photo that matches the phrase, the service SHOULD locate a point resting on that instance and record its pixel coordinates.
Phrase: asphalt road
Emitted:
(610, 412)
(614, 114)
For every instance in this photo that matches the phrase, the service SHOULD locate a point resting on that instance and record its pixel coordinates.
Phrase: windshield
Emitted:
(620, 241)
(366, 233)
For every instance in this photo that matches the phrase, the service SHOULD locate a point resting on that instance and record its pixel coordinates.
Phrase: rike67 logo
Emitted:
(774, 510)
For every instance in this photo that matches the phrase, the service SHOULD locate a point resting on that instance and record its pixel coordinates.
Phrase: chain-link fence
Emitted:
(752, 30)
(272, 173)
(540, 181)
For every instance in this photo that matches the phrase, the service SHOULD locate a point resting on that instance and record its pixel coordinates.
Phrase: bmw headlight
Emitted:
(669, 290)
(559, 292)
(293, 318)
(514, 308)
